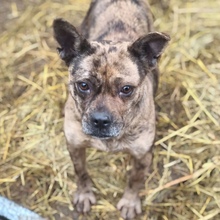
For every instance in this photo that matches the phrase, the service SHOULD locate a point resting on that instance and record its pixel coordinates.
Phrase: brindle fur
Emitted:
(118, 48)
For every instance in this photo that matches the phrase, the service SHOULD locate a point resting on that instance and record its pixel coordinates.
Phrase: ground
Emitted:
(35, 167)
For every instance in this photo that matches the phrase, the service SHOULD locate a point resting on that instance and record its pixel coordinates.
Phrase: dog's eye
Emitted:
(83, 87)
(126, 90)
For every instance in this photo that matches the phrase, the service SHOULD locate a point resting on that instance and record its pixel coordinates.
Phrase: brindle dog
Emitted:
(113, 77)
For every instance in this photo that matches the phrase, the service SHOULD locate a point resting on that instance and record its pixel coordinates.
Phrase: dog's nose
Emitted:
(101, 120)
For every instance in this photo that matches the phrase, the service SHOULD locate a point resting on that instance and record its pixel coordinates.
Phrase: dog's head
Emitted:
(108, 80)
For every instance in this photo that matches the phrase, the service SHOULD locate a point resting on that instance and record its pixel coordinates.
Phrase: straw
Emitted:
(36, 170)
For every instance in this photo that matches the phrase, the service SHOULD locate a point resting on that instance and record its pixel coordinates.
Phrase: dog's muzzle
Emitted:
(101, 125)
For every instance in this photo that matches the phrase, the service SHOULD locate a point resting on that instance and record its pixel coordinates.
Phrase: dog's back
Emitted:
(117, 20)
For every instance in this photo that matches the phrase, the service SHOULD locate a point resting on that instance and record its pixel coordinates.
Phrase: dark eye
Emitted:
(126, 90)
(83, 87)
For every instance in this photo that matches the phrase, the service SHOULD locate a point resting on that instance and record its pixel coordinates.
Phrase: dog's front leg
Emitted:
(130, 203)
(83, 197)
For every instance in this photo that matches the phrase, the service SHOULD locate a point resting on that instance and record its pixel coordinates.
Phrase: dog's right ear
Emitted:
(72, 44)
(150, 47)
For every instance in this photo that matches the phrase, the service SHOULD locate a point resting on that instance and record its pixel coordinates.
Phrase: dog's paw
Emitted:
(83, 200)
(130, 206)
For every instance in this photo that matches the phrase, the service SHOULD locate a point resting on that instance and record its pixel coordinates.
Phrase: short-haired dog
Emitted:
(113, 78)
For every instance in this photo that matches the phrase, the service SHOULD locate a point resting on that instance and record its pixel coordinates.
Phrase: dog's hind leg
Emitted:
(130, 203)
(83, 197)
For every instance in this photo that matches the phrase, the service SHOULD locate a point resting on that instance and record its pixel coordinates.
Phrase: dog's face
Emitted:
(108, 80)
(104, 86)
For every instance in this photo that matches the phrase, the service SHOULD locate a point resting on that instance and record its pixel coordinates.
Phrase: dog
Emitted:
(113, 78)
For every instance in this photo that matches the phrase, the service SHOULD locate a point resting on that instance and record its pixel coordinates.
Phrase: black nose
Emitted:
(101, 120)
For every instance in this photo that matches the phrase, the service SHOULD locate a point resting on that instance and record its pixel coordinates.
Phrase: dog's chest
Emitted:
(108, 146)
(137, 147)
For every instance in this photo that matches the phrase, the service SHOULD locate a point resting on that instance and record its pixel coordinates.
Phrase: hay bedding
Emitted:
(35, 168)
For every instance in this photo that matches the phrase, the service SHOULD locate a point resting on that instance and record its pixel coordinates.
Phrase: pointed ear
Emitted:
(150, 47)
(72, 44)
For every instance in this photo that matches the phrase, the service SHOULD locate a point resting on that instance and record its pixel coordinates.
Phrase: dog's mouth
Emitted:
(101, 136)
(112, 131)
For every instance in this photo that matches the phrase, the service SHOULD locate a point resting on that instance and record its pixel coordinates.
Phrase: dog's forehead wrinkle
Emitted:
(107, 69)
(126, 80)
(106, 46)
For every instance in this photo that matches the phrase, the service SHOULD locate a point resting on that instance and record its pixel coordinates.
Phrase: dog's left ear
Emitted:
(72, 44)
(150, 47)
